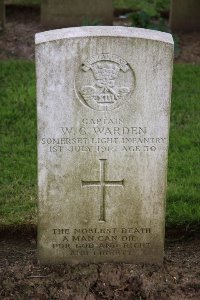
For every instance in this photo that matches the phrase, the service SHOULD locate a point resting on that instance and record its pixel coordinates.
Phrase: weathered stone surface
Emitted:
(64, 13)
(103, 119)
(185, 15)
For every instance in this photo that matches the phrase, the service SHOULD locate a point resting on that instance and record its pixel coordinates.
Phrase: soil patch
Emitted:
(17, 40)
(22, 277)
(189, 48)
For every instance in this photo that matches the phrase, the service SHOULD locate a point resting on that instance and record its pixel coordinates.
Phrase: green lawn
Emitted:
(18, 145)
(183, 198)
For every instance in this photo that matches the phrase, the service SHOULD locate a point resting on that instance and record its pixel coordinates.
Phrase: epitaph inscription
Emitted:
(102, 183)
(112, 241)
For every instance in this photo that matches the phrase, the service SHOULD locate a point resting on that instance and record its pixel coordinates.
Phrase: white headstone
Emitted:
(103, 123)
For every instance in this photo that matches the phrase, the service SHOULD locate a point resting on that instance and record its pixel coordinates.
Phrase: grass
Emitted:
(18, 149)
(184, 155)
(18, 138)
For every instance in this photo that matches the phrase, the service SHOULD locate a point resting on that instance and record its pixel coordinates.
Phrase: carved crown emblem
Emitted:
(105, 71)
(104, 91)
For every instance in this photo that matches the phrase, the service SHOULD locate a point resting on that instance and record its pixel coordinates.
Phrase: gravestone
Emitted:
(103, 122)
(2, 14)
(185, 15)
(65, 13)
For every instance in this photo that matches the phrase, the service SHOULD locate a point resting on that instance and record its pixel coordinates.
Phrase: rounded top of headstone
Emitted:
(102, 31)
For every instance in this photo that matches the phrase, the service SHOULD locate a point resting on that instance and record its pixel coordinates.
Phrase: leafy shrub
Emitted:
(151, 7)
(89, 22)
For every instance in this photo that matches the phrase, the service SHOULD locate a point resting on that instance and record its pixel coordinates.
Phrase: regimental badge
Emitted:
(104, 82)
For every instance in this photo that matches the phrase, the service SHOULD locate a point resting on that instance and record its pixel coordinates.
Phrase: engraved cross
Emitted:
(102, 183)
